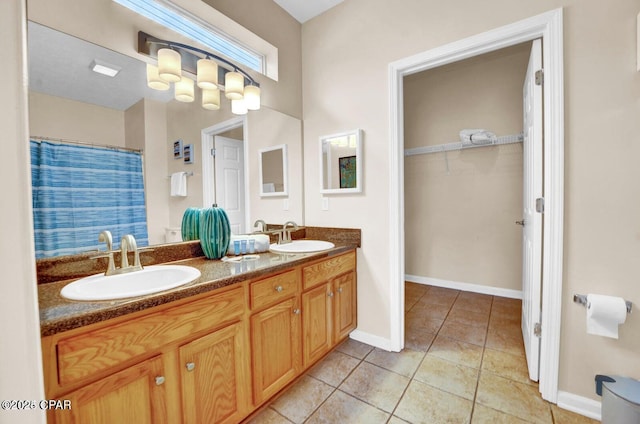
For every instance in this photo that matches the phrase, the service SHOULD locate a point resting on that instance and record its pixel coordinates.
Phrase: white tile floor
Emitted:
(463, 362)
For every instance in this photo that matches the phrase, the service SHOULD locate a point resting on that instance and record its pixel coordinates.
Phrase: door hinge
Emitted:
(537, 330)
(539, 77)
(213, 152)
(540, 205)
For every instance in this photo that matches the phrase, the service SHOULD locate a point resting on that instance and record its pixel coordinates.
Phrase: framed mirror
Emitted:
(273, 171)
(341, 162)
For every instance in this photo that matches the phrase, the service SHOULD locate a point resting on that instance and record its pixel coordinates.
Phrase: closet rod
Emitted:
(85, 143)
(506, 139)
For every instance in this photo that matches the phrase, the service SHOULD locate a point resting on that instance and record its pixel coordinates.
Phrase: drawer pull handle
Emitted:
(279, 289)
(159, 380)
(191, 366)
(296, 311)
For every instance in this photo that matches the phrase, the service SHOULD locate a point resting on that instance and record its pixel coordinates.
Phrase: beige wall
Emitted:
(267, 20)
(51, 116)
(602, 92)
(20, 355)
(186, 121)
(272, 128)
(460, 207)
(146, 129)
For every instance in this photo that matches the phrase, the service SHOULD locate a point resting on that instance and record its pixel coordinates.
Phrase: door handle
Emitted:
(520, 222)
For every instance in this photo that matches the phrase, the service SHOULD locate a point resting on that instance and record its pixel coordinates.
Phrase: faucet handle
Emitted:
(106, 237)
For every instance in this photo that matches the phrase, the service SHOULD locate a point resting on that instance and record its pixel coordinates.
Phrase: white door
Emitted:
(229, 177)
(532, 226)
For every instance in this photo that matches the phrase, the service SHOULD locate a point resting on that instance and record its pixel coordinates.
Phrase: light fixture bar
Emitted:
(190, 26)
(149, 46)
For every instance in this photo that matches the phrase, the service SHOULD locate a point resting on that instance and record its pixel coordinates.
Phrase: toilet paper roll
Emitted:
(604, 314)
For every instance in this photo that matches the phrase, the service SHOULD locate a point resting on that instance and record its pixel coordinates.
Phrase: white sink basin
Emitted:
(302, 246)
(151, 279)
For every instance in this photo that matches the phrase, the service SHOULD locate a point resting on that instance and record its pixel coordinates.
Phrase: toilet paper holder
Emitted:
(582, 299)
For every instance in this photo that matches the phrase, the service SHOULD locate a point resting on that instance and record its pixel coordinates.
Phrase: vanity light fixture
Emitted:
(211, 98)
(238, 107)
(234, 86)
(104, 68)
(252, 97)
(176, 59)
(184, 90)
(153, 79)
(169, 65)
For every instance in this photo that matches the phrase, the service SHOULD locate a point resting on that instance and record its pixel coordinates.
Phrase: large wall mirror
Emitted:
(68, 101)
(273, 171)
(341, 162)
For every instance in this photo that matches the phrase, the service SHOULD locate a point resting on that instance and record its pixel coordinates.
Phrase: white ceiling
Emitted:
(59, 66)
(303, 10)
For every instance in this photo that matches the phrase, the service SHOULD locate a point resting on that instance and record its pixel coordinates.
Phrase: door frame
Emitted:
(208, 174)
(547, 26)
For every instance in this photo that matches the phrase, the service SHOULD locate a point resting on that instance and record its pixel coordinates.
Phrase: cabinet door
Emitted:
(275, 342)
(215, 377)
(316, 323)
(344, 314)
(134, 395)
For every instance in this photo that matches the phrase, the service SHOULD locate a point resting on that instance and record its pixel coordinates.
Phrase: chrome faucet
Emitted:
(285, 234)
(105, 237)
(127, 244)
(263, 226)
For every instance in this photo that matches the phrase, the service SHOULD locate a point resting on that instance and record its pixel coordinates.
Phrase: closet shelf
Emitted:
(506, 139)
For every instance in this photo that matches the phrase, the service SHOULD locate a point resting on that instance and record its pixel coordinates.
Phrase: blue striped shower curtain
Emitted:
(79, 191)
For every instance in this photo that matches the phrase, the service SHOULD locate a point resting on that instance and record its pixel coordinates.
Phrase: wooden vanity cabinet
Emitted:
(133, 395)
(275, 333)
(215, 379)
(328, 305)
(214, 358)
(187, 363)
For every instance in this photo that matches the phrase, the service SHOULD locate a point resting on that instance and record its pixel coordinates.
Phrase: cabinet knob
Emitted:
(279, 289)
(159, 380)
(296, 311)
(190, 366)
(330, 294)
(339, 289)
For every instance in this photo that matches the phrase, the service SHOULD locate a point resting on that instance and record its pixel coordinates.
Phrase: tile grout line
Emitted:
(404, 392)
(484, 345)
(336, 387)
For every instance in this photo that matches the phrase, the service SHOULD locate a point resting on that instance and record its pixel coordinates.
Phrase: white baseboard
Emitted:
(580, 405)
(371, 340)
(474, 288)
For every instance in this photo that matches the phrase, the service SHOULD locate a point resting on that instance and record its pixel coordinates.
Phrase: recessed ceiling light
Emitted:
(104, 68)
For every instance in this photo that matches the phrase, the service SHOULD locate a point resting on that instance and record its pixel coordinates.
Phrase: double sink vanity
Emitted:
(213, 350)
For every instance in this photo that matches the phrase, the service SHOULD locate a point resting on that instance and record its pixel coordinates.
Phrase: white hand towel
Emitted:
(179, 184)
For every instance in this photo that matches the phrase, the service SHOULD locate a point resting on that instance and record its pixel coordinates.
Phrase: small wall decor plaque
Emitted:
(177, 149)
(188, 153)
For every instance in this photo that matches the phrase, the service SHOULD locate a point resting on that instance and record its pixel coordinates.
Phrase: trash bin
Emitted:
(620, 399)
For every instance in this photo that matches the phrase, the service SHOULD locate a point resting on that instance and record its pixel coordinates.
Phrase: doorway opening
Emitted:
(224, 164)
(548, 27)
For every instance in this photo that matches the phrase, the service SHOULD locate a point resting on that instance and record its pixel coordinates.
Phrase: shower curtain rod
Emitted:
(86, 143)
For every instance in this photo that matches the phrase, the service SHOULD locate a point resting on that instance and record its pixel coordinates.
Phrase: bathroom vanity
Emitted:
(213, 351)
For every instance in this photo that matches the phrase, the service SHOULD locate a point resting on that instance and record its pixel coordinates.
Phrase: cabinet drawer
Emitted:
(86, 354)
(327, 269)
(273, 289)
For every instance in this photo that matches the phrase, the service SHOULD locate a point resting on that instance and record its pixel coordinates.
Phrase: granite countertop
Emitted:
(58, 314)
